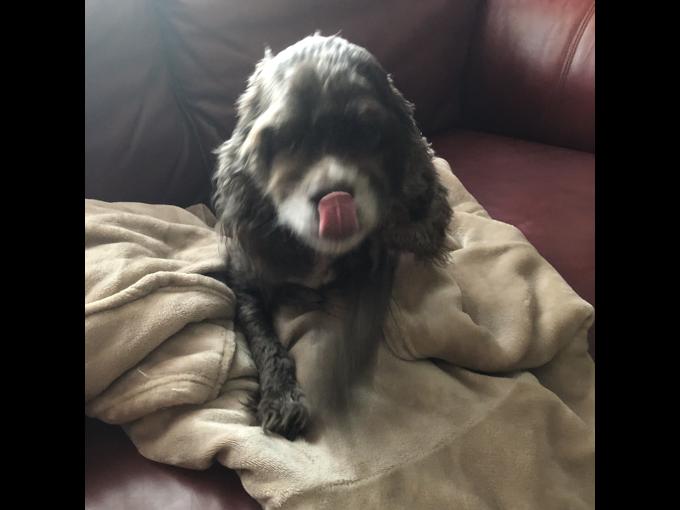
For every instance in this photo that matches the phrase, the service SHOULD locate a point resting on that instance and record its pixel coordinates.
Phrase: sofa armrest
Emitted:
(531, 71)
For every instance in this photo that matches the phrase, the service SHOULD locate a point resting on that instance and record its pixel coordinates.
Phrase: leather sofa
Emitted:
(504, 90)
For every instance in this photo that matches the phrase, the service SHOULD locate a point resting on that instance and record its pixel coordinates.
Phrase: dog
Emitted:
(325, 180)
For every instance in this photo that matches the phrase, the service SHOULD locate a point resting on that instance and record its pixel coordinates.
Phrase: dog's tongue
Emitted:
(337, 216)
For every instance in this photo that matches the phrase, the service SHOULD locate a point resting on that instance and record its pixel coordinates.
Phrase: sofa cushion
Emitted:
(139, 143)
(212, 47)
(161, 78)
(546, 191)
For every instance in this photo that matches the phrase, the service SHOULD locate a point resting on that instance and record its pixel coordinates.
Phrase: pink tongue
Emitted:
(337, 216)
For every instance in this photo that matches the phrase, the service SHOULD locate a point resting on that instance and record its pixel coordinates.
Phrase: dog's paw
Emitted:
(285, 413)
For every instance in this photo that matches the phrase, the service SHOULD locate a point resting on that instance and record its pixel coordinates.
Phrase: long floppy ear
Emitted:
(235, 192)
(419, 217)
(239, 205)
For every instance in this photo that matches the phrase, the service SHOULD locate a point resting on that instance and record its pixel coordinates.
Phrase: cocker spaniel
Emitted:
(324, 181)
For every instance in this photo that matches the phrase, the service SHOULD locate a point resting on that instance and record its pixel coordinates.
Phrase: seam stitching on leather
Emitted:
(573, 46)
(567, 61)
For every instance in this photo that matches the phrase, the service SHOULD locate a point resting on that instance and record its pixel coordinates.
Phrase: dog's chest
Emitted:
(321, 273)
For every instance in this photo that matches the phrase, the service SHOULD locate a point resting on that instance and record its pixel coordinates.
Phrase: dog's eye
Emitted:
(357, 138)
(288, 146)
(286, 141)
(365, 138)
(372, 138)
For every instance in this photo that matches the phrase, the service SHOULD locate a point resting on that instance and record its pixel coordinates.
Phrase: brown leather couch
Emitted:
(504, 89)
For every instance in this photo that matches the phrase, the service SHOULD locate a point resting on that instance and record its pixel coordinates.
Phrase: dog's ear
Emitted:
(234, 189)
(235, 192)
(419, 217)
(238, 204)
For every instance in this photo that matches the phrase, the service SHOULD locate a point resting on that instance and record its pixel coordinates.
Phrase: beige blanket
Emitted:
(482, 396)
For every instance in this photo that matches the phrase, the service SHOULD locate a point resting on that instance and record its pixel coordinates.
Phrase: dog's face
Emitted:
(330, 143)
(322, 147)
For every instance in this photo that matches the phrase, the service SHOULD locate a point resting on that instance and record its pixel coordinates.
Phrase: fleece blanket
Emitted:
(481, 395)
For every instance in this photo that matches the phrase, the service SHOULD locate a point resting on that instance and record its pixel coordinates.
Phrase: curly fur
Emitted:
(322, 114)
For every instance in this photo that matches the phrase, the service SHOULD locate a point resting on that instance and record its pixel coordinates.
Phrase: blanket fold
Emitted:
(481, 397)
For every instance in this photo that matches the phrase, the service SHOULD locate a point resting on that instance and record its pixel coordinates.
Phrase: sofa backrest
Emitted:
(162, 77)
(531, 71)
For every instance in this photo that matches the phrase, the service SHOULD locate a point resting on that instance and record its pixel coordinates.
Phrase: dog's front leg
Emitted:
(281, 408)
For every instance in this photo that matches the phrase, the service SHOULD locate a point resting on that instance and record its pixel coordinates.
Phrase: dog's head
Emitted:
(328, 145)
